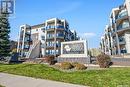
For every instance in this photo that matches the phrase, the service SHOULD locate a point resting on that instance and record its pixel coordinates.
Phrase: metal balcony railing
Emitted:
(123, 51)
(60, 35)
(53, 27)
(50, 37)
(121, 40)
(26, 39)
(48, 46)
(124, 26)
(27, 33)
(50, 27)
(59, 26)
(122, 14)
(26, 47)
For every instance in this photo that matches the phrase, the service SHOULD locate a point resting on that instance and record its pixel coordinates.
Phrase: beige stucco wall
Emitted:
(127, 38)
(127, 2)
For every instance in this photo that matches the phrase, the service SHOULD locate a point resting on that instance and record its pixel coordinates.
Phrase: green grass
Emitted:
(111, 77)
(2, 86)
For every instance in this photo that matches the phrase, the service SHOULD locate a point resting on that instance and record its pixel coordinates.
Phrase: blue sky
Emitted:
(87, 17)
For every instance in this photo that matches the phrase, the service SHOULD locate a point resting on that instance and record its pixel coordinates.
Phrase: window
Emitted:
(22, 27)
(125, 24)
(47, 51)
(60, 34)
(57, 52)
(50, 51)
(42, 29)
(58, 44)
(42, 45)
(50, 43)
(50, 35)
(53, 51)
(43, 37)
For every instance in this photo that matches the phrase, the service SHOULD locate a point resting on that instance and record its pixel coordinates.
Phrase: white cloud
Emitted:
(87, 35)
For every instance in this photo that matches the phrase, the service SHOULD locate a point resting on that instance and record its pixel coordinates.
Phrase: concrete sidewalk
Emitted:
(9, 80)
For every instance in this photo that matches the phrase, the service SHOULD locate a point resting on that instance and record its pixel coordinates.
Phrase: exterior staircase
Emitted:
(34, 50)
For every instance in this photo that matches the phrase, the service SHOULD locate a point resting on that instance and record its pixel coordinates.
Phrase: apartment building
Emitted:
(116, 39)
(44, 39)
(106, 41)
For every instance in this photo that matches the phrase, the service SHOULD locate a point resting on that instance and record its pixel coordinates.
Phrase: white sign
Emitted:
(74, 49)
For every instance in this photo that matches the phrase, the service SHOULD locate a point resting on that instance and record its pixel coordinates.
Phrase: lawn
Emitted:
(1, 86)
(111, 77)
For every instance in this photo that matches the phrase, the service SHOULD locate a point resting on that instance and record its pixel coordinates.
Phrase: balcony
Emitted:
(58, 45)
(27, 33)
(60, 27)
(26, 46)
(50, 27)
(49, 38)
(123, 51)
(42, 45)
(122, 14)
(50, 46)
(26, 39)
(113, 21)
(123, 26)
(121, 41)
(60, 36)
(50, 52)
(43, 29)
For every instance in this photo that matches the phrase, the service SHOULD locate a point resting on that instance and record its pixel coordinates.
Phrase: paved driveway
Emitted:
(10, 80)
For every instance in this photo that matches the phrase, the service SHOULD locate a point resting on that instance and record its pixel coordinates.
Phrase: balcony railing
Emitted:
(59, 26)
(43, 28)
(50, 37)
(124, 26)
(121, 40)
(26, 39)
(57, 36)
(122, 14)
(50, 27)
(123, 51)
(53, 27)
(27, 33)
(26, 46)
(42, 45)
(60, 35)
(48, 45)
(58, 44)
